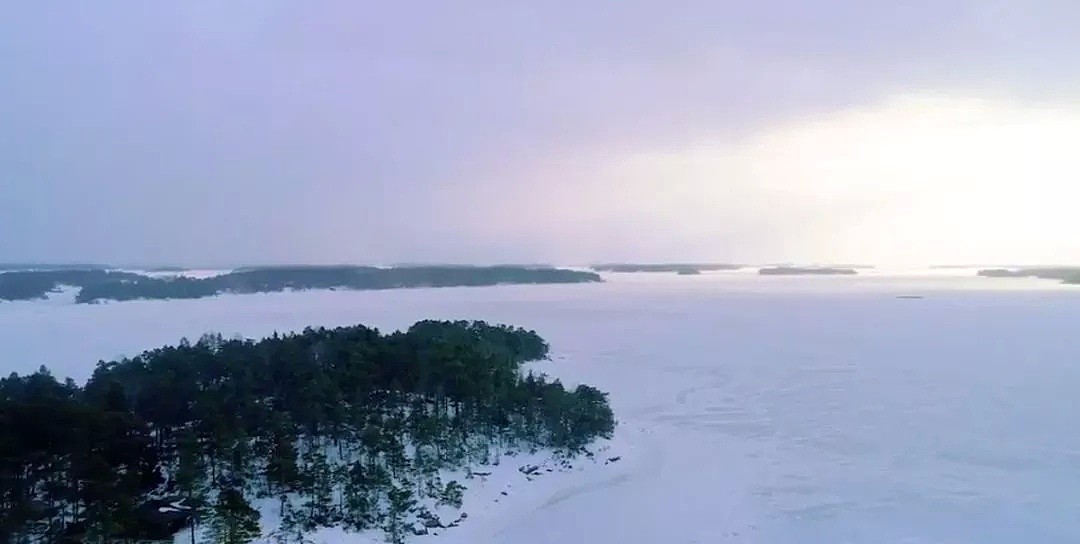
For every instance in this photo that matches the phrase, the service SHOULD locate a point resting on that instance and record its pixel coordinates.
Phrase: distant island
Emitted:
(1003, 273)
(678, 268)
(805, 271)
(51, 266)
(35, 284)
(854, 266)
(1066, 274)
(102, 285)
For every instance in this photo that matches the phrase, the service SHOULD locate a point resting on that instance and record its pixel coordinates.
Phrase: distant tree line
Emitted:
(341, 427)
(33, 284)
(98, 285)
(47, 266)
(679, 268)
(806, 271)
(1066, 274)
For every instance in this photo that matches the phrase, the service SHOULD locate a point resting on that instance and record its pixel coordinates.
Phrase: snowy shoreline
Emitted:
(497, 495)
(509, 495)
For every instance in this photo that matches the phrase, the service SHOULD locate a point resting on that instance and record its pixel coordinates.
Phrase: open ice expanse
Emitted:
(768, 410)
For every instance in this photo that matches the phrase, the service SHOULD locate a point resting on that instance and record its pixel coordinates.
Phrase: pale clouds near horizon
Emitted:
(567, 132)
(915, 179)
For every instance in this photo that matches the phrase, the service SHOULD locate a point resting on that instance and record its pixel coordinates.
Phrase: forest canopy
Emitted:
(345, 427)
(665, 267)
(806, 271)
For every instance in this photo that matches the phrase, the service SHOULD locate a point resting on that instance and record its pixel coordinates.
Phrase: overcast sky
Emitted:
(223, 133)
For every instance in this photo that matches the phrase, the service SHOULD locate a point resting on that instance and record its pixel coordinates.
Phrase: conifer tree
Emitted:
(234, 521)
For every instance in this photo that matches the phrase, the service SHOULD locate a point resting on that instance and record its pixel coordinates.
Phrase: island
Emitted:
(50, 266)
(105, 285)
(1003, 273)
(232, 440)
(167, 269)
(854, 266)
(805, 271)
(1066, 274)
(35, 284)
(678, 268)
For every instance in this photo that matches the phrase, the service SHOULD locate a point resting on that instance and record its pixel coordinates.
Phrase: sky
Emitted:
(209, 133)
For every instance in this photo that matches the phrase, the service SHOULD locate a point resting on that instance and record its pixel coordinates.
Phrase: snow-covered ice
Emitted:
(766, 410)
(195, 273)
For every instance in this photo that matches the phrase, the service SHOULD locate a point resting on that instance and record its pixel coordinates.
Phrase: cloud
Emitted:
(227, 133)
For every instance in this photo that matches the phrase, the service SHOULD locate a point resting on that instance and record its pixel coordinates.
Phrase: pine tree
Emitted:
(320, 479)
(190, 475)
(452, 495)
(358, 491)
(401, 503)
(282, 472)
(233, 521)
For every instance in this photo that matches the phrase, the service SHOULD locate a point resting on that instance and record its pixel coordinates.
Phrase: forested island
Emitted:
(1064, 273)
(805, 271)
(684, 268)
(1004, 273)
(35, 284)
(343, 427)
(101, 285)
(48, 266)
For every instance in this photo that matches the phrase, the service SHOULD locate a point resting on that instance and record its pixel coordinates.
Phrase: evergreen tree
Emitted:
(319, 489)
(452, 495)
(401, 503)
(234, 521)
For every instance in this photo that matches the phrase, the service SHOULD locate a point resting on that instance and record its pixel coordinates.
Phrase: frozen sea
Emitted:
(761, 409)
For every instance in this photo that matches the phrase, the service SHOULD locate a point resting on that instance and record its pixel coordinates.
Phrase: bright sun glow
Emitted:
(918, 178)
